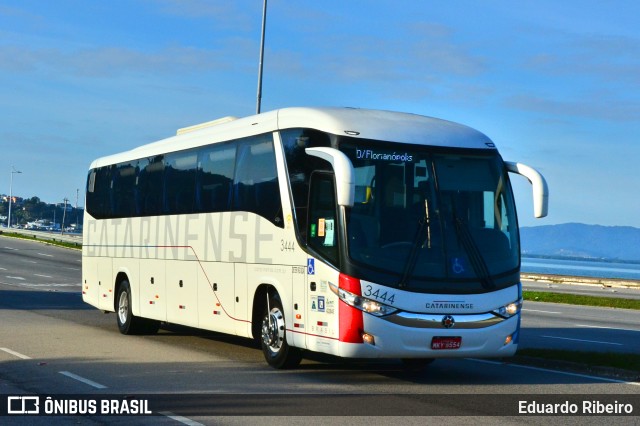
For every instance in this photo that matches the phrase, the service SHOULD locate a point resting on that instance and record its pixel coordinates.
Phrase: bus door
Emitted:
(322, 238)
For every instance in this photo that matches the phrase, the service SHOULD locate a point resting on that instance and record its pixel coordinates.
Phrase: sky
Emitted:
(556, 85)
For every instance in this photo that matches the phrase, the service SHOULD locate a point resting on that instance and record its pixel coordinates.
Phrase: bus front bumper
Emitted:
(417, 339)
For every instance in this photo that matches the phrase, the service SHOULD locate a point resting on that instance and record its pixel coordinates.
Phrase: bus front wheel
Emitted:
(275, 348)
(127, 322)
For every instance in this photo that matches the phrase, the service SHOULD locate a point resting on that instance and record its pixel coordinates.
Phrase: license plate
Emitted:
(438, 343)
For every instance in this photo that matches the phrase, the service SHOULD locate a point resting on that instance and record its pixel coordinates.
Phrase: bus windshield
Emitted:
(430, 214)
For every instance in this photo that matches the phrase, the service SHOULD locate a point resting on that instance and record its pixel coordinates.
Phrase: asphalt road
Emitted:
(52, 343)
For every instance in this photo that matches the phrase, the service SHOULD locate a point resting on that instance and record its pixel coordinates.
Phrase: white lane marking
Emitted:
(582, 340)
(11, 248)
(27, 285)
(544, 312)
(183, 420)
(43, 276)
(605, 328)
(14, 353)
(546, 370)
(83, 380)
(15, 278)
(72, 269)
(45, 254)
(3, 269)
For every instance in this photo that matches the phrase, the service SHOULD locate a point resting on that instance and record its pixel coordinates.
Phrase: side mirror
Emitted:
(343, 170)
(539, 184)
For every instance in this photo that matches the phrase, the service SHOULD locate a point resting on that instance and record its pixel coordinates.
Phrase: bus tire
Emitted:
(127, 322)
(275, 348)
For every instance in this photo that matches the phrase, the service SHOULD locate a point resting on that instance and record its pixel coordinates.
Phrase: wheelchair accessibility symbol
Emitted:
(457, 266)
(311, 267)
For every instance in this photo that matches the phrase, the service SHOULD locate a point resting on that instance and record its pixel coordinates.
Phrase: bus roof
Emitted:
(355, 122)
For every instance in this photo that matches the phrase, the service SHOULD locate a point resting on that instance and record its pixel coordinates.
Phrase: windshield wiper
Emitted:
(475, 256)
(412, 259)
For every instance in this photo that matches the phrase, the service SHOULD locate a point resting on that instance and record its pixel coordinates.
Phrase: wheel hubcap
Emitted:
(123, 307)
(273, 330)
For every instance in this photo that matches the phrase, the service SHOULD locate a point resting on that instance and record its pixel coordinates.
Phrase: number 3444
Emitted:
(287, 245)
(384, 296)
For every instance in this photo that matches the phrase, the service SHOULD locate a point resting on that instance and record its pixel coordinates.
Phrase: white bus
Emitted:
(352, 232)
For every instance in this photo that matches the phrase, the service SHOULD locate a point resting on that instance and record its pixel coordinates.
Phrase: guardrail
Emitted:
(46, 235)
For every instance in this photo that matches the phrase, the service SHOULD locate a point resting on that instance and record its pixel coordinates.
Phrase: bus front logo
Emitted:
(448, 321)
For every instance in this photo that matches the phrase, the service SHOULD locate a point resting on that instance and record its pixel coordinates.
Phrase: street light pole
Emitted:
(77, 195)
(64, 215)
(264, 25)
(13, 171)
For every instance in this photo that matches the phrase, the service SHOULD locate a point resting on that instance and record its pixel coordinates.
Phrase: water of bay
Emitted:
(581, 268)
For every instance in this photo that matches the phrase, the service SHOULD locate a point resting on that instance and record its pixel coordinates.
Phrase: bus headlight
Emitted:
(366, 305)
(509, 310)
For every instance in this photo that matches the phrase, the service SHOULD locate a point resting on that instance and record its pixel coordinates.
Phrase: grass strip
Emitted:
(629, 362)
(48, 240)
(577, 299)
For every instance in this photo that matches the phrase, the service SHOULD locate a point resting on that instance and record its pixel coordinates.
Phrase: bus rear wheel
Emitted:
(275, 348)
(127, 322)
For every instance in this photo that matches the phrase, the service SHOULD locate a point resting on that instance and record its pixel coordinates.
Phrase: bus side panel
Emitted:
(299, 290)
(243, 321)
(182, 292)
(216, 306)
(105, 283)
(323, 331)
(106, 271)
(90, 287)
(153, 300)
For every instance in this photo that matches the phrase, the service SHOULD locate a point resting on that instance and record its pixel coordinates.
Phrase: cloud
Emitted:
(419, 55)
(109, 61)
(595, 107)
(222, 14)
(609, 59)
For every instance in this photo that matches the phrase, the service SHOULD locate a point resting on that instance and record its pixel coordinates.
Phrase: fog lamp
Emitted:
(508, 339)
(368, 338)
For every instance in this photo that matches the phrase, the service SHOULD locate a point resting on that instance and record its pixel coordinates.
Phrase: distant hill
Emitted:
(579, 240)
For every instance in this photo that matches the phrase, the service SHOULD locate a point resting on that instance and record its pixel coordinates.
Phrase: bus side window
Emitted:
(216, 167)
(124, 178)
(99, 193)
(151, 183)
(256, 187)
(180, 182)
(322, 232)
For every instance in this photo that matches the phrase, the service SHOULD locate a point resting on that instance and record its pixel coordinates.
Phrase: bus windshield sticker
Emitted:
(320, 303)
(457, 265)
(329, 238)
(321, 227)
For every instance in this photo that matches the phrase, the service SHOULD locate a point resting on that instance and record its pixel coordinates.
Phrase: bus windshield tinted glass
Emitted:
(427, 215)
